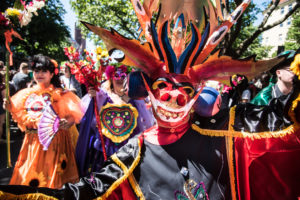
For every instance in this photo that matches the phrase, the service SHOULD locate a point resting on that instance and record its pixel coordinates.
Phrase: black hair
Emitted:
(44, 63)
(136, 85)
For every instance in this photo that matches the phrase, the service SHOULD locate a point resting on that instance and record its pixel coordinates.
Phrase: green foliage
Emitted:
(18, 5)
(117, 14)
(241, 32)
(255, 48)
(293, 36)
(46, 33)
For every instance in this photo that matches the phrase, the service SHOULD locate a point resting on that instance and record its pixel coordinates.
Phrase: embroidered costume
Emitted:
(190, 155)
(56, 166)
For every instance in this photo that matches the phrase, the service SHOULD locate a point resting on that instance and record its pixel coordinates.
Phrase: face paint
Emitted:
(119, 75)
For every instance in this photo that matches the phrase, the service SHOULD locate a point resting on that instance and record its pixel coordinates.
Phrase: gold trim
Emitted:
(127, 173)
(105, 131)
(221, 133)
(292, 113)
(229, 151)
(39, 196)
(134, 184)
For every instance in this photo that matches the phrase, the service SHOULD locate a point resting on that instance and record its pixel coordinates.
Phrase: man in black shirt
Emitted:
(21, 79)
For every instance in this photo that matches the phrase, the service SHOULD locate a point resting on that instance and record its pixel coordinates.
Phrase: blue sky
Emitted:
(70, 18)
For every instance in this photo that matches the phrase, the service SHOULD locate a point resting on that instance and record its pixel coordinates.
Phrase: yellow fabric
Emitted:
(32, 196)
(57, 165)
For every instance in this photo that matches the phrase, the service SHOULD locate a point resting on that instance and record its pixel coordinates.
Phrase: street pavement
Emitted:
(16, 139)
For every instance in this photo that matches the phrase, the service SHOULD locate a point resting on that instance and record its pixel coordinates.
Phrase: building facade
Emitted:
(276, 36)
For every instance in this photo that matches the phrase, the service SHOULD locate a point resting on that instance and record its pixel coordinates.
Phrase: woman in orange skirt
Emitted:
(37, 167)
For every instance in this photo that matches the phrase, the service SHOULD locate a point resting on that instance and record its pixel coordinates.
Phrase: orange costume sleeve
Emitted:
(68, 105)
(18, 111)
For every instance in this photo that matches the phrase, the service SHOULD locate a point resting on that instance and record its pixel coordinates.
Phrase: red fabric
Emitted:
(268, 168)
(124, 191)
(163, 136)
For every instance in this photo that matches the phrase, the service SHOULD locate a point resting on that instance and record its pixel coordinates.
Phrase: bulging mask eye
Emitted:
(159, 84)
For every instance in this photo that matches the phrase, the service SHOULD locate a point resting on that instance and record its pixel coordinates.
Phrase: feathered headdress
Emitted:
(182, 51)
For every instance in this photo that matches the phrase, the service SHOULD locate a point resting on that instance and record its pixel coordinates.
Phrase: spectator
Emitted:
(284, 83)
(246, 96)
(21, 79)
(69, 82)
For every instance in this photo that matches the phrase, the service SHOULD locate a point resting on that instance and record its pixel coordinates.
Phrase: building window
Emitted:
(280, 37)
(290, 7)
(267, 38)
(281, 25)
(289, 21)
(282, 10)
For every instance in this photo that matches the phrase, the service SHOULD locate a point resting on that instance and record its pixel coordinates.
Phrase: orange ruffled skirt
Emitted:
(51, 168)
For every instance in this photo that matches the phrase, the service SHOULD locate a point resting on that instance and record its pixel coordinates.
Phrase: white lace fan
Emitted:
(48, 126)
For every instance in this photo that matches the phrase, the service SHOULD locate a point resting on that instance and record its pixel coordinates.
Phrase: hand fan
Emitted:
(48, 126)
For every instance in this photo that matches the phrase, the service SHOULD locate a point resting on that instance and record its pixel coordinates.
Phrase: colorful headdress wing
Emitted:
(223, 67)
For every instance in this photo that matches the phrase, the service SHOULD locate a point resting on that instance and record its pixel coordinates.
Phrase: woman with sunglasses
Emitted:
(37, 167)
(113, 99)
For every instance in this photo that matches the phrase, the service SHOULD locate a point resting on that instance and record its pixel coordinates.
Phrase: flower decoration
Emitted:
(223, 88)
(226, 89)
(62, 165)
(32, 7)
(111, 70)
(84, 70)
(4, 22)
(55, 65)
(13, 12)
(20, 14)
(295, 66)
(35, 180)
(101, 53)
(236, 79)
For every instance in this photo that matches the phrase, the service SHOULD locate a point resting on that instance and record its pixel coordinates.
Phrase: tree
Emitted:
(117, 14)
(232, 37)
(293, 36)
(46, 33)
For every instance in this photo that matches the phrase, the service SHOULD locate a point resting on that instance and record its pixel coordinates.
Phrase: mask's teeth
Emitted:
(174, 115)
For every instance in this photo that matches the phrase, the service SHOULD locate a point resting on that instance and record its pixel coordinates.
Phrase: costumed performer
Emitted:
(36, 167)
(281, 83)
(122, 117)
(184, 156)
